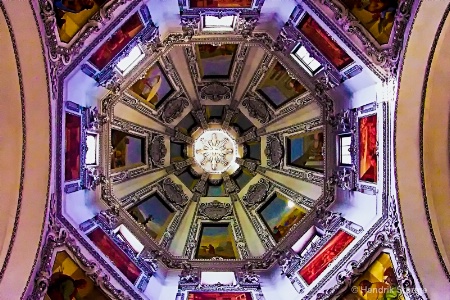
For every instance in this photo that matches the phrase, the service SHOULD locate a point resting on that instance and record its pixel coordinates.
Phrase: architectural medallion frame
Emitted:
(201, 218)
(381, 59)
(380, 110)
(79, 111)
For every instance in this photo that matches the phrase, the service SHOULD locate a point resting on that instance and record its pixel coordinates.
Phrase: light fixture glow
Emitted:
(215, 151)
(127, 63)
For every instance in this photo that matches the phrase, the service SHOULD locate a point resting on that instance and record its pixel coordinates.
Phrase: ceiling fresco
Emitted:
(217, 151)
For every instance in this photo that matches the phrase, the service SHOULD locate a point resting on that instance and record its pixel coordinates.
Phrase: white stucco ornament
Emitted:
(215, 151)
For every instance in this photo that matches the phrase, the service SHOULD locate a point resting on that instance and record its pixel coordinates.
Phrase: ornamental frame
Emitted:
(273, 113)
(151, 166)
(66, 243)
(282, 167)
(199, 220)
(374, 55)
(254, 212)
(227, 84)
(78, 184)
(178, 94)
(138, 197)
(147, 270)
(128, 127)
(299, 262)
(255, 292)
(357, 268)
(66, 52)
(380, 110)
(291, 38)
(387, 221)
(382, 242)
(185, 6)
(109, 73)
(193, 21)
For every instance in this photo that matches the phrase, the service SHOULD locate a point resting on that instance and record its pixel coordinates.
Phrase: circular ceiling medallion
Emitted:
(215, 151)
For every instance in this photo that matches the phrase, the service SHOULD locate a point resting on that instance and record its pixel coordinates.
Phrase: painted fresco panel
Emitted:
(71, 16)
(153, 214)
(219, 296)
(305, 150)
(368, 148)
(125, 265)
(216, 240)
(324, 43)
(216, 61)
(67, 277)
(221, 3)
(117, 42)
(73, 140)
(154, 88)
(278, 87)
(279, 215)
(377, 282)
(128, 150)
(377, 16)
(329, 252)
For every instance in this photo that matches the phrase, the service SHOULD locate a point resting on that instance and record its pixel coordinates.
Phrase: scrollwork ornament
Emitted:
(215, 91)
(157, 151)
(256, 193)
(274, 151)
(174, 192)
(257, 109)
(173, 109)
(215, 210)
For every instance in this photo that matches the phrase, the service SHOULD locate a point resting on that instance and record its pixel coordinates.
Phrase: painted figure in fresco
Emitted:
(72, 6)
(211, 249)
(387, 290)
(379, 10)
(64, 287)
(149, 87)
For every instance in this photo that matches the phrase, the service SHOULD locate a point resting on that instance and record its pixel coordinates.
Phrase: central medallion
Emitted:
(215, 151)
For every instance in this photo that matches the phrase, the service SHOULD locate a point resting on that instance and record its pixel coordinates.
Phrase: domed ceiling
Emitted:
(220, 144)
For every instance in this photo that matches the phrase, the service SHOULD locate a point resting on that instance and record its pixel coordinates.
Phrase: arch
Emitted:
(26, 146)
(421, 139)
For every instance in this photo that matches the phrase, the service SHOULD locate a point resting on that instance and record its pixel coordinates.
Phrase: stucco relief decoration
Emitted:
(174, 108)
(189, 275)
(158, 151)
(174, 192)
(257, 109)
(215, 210)
(274, 151)
(256, 193)
(215, 91)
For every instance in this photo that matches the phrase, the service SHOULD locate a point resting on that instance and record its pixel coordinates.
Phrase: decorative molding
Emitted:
(256, 193)
(384, 56)
(62, 53)
(249, 135)
(174, 192)
(215, 210)
(157, 151)
(215, 91)
(173, 109)
(257, 109)
(274, 151)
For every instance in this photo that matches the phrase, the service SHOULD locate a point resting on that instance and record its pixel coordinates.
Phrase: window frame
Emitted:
(341, 150)
(303, 64)
(96, 150)
(133, 63)
(218, 28)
